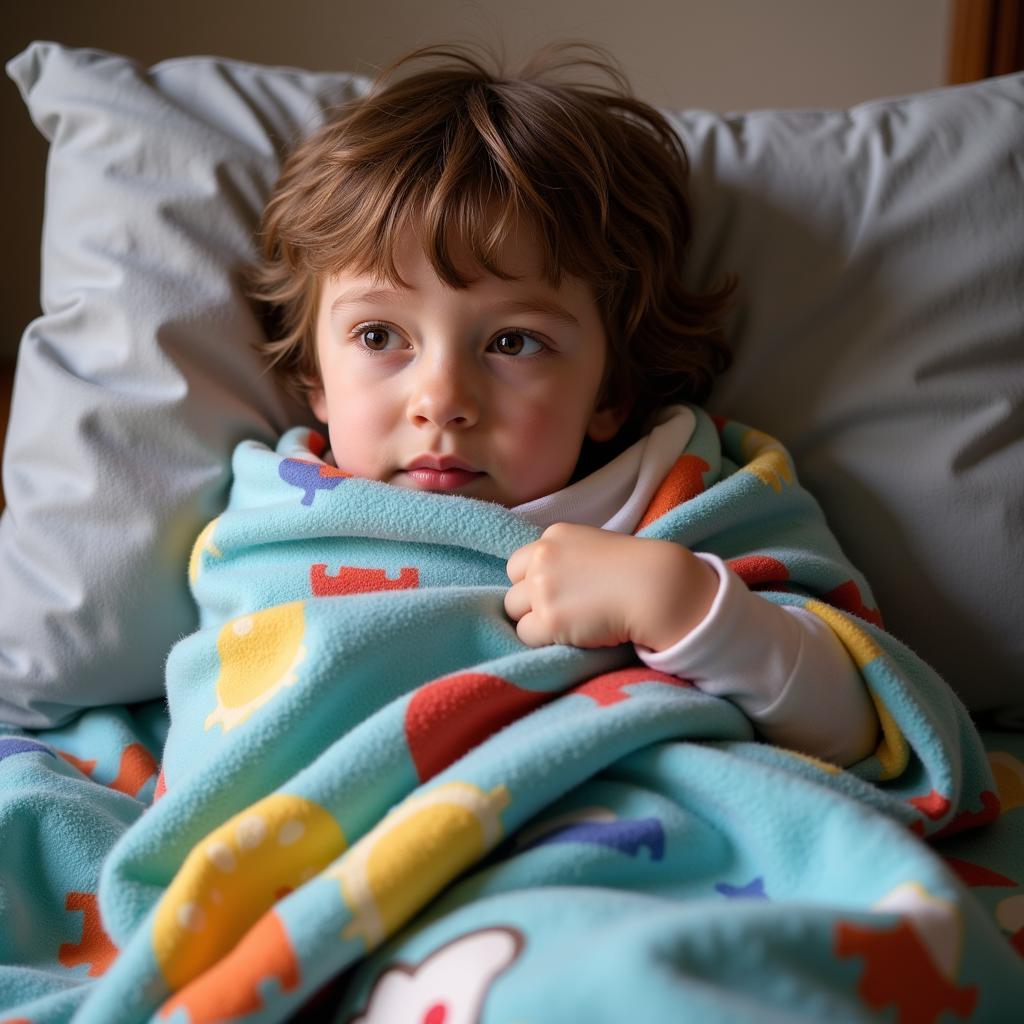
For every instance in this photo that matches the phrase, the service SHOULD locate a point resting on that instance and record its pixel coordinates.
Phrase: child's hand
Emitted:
(588, 587)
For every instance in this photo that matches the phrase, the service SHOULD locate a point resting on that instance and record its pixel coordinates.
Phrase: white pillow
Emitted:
(138, 380)
(878, 334)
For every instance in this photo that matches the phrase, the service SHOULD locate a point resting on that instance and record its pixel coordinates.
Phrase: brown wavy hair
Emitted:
(466, 151)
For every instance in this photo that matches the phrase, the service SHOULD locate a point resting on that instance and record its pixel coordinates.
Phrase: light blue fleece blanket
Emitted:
(368, 778)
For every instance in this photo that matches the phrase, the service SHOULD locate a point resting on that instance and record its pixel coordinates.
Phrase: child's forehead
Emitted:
(518, 256)
(569, 301)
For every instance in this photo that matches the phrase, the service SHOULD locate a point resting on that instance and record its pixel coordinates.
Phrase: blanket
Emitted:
(375, 802)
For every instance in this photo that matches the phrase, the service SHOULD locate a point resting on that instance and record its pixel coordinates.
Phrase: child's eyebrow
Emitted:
(530, 304)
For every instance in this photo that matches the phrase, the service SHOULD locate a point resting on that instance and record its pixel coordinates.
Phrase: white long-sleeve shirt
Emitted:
(782, 666)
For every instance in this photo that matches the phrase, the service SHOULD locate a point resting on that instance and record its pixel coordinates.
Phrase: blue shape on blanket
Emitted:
(307, 476)
(753, 890)
(625, 836)
(10, 745)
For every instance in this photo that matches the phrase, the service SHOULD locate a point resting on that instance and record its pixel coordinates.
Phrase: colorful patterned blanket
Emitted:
(375, 801)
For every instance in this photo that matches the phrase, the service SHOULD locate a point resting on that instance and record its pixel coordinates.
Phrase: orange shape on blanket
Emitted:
(326, 470)
(684, 481)
(847, 598)
(85, 766)
(757, 569)
(1009, 775)
(137, 767)
(351, 579)
(900, 972)
(95, 947)
(608, 689)
(231, 987)
(449, 716)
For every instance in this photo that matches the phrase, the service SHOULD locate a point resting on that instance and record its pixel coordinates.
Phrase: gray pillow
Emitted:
(878, 334)
(138, 380)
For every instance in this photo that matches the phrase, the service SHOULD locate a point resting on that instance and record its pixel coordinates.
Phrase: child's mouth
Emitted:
(425, 479)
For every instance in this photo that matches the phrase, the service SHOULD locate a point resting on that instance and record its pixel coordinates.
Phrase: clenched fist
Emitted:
(589, 587)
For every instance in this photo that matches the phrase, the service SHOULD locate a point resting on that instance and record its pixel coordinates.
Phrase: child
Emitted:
(476, 279)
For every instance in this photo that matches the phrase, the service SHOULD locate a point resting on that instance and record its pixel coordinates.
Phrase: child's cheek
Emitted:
(357, 426)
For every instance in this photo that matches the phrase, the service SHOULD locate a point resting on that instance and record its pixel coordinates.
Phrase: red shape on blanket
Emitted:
(685, 480)
(990, 811)
(976, 875)
(847, 598)
(437, 1014)
(351, 579)
(317, 443)
(95, 947)
(899, 971)
(230, 988)
(608, 689)
(449, 716)
(934, 805)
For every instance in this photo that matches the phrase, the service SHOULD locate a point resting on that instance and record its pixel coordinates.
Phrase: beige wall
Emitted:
(718, 54)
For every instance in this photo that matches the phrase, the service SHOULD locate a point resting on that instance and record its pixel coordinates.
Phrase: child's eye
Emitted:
(517, 343)
(374, 337)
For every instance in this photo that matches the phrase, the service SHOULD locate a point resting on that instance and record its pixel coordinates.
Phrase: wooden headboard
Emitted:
(6, 383)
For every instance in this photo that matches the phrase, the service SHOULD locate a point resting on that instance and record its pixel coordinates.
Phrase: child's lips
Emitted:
(425, 479)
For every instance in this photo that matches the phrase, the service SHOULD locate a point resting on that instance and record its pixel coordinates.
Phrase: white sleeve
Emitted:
(782, 666)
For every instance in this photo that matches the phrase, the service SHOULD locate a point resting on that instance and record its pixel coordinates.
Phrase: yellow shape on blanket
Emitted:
(857, 641)
(413, 852)
(1009, 776)
(204, 544)
(234, 875)
(893, 752)
(259, 654)
(815, 762)
(767, 459)
(1010, 913)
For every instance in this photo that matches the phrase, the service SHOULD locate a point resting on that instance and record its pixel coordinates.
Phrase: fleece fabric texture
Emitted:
(366, 769)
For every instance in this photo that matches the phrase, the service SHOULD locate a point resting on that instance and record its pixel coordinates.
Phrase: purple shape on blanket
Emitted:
(751, 891)
(627, 836)
(10, 745)
(307, 476)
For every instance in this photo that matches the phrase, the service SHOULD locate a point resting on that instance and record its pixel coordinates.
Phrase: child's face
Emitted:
(480, 377)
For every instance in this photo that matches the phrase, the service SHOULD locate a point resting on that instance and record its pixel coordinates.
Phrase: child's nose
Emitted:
(443, 396)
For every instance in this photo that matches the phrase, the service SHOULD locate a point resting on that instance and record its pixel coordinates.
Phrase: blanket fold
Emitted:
(367, 776)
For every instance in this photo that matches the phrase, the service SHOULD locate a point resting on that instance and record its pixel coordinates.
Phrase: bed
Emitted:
(879, 336)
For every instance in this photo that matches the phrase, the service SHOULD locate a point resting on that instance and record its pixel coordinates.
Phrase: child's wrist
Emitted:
(682, 589)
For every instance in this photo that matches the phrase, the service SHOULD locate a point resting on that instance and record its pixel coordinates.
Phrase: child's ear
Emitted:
(318, 403)
(605, 422)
